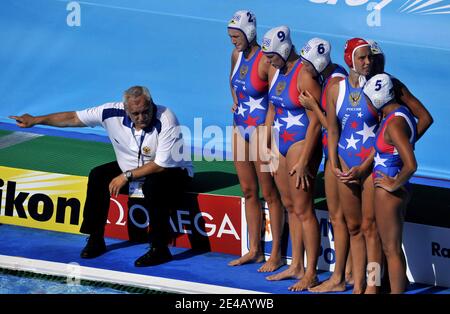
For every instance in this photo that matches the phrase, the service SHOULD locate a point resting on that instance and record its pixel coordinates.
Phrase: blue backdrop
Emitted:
(181, 51)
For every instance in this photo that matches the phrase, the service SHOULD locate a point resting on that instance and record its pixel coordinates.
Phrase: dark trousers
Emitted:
(163, 192)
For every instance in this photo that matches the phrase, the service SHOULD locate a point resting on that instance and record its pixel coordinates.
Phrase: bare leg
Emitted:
(341, 238)
(253, 212)
(350, 202)
(348, 269)
(272, 197)
(373, 243)
(297, 268)
(389, 209)
(306, 216)
(276, 215)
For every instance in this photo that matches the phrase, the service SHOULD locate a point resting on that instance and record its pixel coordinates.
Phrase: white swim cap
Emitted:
(278, 41)
(245, 21)
(376, 49)
(317, 52)
(380, 90)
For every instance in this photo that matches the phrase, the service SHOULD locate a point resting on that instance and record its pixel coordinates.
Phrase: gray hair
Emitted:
(137, 91)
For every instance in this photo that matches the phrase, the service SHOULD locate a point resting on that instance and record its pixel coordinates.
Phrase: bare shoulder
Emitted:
(306, 81)
(271, 72)
(398, 122)
(335, 81)
(398, 128)
(234, 56)
(333, 86)
(332, 93)
(265, 64)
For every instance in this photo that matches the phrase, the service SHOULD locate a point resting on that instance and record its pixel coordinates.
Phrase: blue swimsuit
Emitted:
(358, 124)
(387, 160)
(290, 121)
(338, 72)
(251, 93)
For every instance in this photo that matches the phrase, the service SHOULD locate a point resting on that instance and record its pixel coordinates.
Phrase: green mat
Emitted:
(3, 132)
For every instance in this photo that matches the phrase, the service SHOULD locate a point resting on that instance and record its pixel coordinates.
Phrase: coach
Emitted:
(148, 145)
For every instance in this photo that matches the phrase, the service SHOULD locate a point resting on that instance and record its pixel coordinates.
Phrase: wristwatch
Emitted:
(128, 175)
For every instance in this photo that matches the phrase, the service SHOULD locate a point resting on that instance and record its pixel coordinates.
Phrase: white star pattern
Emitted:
(254, 103)
(360, 114)
(277, 125)
(379, 161)
(351, 142)
(367, 132)
(292, 120)
(241, 110)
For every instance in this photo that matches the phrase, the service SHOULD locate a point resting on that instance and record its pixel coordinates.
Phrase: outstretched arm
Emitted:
(60, 119)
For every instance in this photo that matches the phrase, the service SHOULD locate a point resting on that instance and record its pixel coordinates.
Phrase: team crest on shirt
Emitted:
(146, 150)
(354, 98)
(243, 71)
(280, 87)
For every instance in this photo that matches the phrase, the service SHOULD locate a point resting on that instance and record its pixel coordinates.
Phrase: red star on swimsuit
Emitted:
(364, 153)
(241, 95)
(251, 121)
(325, 141)
(286, 136)
(354, 124)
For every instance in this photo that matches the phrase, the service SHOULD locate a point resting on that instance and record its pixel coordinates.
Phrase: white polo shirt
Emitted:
(160, 142)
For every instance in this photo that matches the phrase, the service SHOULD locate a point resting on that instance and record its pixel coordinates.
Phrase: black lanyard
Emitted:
(139, 145)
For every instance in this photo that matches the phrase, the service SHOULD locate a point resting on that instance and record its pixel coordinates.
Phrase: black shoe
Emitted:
(95, 247)
(154, 256)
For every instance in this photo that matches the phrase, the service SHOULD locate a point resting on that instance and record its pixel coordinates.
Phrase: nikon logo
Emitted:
(40, 207)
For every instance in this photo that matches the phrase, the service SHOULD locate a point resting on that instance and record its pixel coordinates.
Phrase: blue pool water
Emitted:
(10, 284)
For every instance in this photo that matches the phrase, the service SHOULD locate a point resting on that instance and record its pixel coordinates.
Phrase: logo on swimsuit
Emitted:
(146, 150)
(354, 98)
(243, 71)
(280, 87)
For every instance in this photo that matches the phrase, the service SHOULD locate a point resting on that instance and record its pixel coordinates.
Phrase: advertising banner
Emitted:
(427, 249)
(55, 202)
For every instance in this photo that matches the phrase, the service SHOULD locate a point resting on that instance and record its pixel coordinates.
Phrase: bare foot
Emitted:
(371, 290)
(247, 258)
(271, 265)
(357, 290)
(291, 272)
(349, 279)
(329, 285)
(305, 283)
